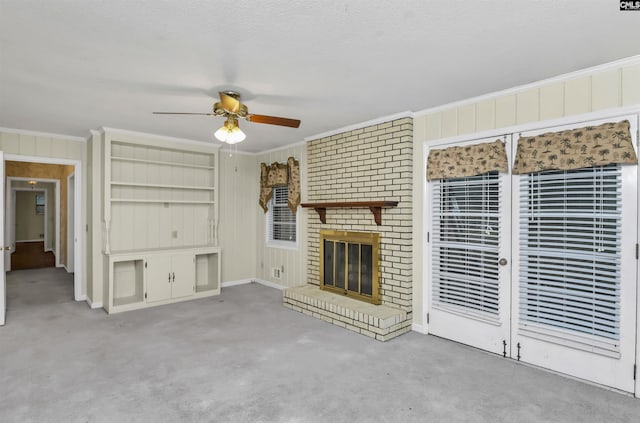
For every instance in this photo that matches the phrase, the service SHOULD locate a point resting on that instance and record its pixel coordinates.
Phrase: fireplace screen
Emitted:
(349, 264)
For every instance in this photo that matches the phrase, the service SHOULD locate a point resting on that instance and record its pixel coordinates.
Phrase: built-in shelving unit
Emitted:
(160, 220)
(156, 277)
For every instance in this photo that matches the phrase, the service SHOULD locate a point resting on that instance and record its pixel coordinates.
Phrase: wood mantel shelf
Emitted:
(375, 207)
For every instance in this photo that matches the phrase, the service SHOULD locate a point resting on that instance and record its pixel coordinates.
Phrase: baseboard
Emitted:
(92, 304)
(260, 281)
(46, 250)
(419, 328)
(234, 283)
(270, 284)
(29, 240)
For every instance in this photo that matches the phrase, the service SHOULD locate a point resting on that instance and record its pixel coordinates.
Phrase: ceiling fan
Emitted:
(230, 107)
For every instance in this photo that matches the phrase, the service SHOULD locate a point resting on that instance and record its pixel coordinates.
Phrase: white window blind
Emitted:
(570, 229)
(281, 222)
(465, 244)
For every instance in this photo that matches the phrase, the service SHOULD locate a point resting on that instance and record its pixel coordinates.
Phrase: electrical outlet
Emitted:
(275, 272)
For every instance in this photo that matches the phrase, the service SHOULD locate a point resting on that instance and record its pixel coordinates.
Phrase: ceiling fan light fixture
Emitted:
(230, 132)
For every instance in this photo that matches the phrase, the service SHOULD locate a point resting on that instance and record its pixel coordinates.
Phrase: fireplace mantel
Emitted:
(375, 207)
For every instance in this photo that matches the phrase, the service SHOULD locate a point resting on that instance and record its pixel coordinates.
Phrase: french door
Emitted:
(574, 290)
(470, 249)
(539, 267)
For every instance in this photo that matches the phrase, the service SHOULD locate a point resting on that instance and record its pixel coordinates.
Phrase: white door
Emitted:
(470, 248)
(183, 275)
(3, 280)
(574, 291)
(158, 278)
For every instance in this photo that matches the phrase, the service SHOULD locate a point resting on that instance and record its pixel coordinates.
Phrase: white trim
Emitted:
(235, 283)
(252, 280)
(348, 128)
(276, 149)
(38, 159)
(419, 328)
(71, 234)
(534, 126)
(123, 132)
(629, 61)
(270, 284)
(43, 134)
(92, 304)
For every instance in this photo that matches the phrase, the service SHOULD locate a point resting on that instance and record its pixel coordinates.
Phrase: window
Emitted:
(570, 250)
(282, 227)
(39, 203)
(466, 216)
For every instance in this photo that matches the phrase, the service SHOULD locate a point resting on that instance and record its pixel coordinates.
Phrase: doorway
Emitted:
(33, 207)
(29, 167)
(531, 266)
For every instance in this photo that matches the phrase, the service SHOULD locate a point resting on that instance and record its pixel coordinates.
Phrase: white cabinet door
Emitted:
(183, 275)
(158, 278)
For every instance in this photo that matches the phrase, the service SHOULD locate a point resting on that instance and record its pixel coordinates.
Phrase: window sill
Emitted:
(285, 245)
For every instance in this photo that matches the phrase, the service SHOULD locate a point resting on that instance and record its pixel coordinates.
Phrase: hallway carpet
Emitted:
(31, 255)
(243, 357)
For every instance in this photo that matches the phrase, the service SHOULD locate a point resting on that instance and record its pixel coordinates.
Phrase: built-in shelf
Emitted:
(138, 200)
(185, 187)
(159, 162)
(375, 207)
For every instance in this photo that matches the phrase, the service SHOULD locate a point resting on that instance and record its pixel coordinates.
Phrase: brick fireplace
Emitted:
(366, 164)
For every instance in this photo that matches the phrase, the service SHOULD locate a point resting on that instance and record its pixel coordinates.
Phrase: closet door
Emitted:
(574, 291)
(469, 269)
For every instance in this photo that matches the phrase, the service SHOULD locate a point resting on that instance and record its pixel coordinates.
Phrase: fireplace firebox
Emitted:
(349, 264)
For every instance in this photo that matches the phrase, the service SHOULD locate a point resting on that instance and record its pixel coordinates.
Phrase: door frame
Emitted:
(79, 282)
(10, 215)
(498, 133)
(71, 216)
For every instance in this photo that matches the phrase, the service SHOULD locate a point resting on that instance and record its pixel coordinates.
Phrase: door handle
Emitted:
(174, 277)
(169, 277)
(502, 262)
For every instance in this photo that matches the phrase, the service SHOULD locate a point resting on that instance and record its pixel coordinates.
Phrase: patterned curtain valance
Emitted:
(575, 149)
(470, 160)
(280, 174)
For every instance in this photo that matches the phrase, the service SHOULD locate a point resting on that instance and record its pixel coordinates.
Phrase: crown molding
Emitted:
(43, 134)
(361, 125)
(128, 133)
(629, 61)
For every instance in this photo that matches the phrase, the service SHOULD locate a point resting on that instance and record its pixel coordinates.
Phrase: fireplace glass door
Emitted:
(350, 264)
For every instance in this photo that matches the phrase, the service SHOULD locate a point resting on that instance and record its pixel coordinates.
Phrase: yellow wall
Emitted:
(47, 171)
(29, 224)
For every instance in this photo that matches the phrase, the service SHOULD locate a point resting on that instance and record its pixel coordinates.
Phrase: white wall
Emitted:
(608, 86)
(238, 198)
(293, 261)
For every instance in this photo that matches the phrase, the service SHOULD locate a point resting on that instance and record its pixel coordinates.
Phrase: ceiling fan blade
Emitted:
(229, 103)
(182, 113)
(274, 120)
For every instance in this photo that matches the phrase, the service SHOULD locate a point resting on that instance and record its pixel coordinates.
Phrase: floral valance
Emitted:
(470, 160)
(575, 149)
(280, 174)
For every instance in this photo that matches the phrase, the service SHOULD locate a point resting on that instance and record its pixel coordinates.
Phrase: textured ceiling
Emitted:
(67, 66)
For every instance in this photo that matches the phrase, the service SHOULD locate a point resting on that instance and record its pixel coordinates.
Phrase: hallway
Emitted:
(31, 255)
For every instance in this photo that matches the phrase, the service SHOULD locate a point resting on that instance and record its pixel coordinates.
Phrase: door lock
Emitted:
(502, 262)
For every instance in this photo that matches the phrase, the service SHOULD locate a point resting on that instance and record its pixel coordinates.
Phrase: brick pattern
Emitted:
(372, 163)
(361, 319)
